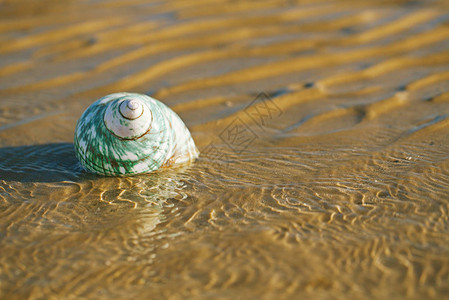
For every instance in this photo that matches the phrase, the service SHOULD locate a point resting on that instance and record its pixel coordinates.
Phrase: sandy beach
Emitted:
(323, 128)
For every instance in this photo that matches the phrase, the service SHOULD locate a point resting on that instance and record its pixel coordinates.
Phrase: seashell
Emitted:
(126, 134)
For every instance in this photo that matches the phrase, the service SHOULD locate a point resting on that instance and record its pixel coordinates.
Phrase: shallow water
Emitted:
(323, 127)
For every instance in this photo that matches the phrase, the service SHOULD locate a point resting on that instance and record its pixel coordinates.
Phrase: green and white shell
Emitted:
(125, 134)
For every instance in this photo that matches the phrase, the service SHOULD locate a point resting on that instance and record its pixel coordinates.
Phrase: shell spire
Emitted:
(131, 109)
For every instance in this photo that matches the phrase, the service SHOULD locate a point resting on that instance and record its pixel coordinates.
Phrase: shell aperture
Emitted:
(125, 134)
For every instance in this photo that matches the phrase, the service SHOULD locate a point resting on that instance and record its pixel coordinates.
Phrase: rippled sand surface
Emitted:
(323, 127)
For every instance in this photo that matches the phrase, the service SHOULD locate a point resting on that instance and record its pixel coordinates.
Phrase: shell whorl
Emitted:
(127, 118)
(131, 109)
(125, 134)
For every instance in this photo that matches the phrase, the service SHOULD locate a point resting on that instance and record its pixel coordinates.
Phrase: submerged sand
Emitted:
(323, 127)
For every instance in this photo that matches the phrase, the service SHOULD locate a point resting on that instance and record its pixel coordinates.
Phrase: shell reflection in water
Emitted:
(126, 134)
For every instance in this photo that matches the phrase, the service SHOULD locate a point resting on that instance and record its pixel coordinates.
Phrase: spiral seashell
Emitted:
(125, 134)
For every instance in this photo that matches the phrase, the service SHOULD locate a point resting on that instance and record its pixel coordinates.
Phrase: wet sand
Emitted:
(335, 187)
